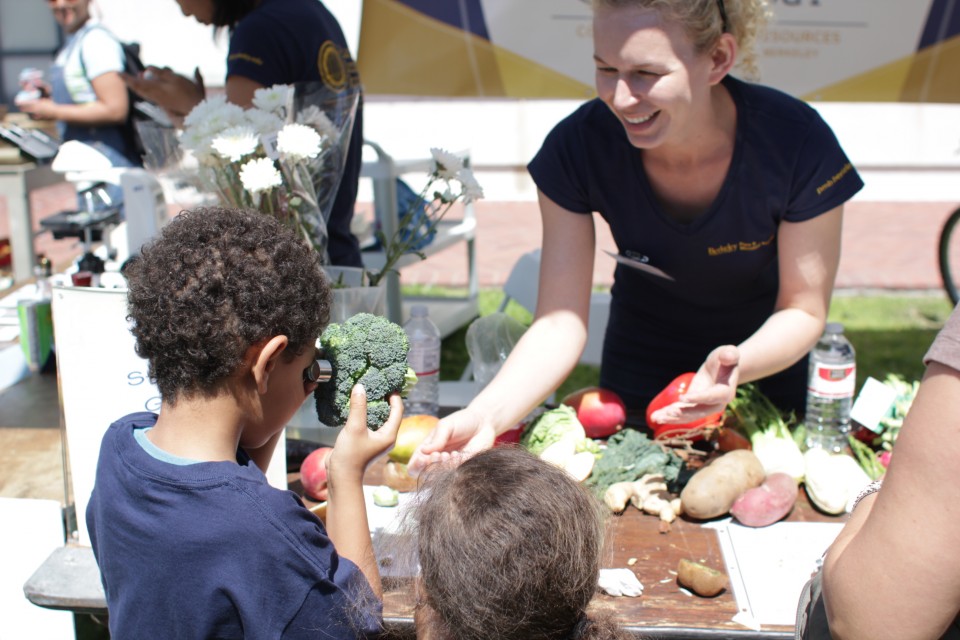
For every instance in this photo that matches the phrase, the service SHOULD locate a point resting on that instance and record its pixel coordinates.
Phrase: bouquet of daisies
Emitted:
(284, 156)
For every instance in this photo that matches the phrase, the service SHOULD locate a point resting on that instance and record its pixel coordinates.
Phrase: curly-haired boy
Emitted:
(191, 541)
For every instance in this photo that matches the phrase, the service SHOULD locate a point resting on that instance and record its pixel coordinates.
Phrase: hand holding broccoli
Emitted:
(369, 350)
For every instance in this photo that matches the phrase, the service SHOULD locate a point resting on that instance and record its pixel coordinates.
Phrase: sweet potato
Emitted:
(700, 578)
(768, 503)
(713, 489)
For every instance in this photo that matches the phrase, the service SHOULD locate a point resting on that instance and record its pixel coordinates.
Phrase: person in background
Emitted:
(725, 199)
(894, 570)
(191, 541)
(509, 547)
(274, 42)
(87, 96)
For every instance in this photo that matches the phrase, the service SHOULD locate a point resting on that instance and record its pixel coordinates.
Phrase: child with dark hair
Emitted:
(191, 541)
(509, 547)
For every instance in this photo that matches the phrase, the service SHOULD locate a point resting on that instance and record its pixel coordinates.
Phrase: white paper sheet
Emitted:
(768, 566)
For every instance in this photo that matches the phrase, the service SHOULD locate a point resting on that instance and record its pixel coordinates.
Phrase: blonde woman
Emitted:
(725, 200)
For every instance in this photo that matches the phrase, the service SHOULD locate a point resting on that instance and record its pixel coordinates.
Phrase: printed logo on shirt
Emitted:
(835, 179)
(742, 245)
(337, 69)
(246, 56)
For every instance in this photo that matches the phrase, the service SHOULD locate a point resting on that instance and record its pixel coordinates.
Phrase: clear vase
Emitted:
(352, 294)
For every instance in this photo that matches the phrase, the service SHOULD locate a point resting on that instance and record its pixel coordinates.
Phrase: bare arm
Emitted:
(355, 449)
(240, 90)
(546, 353)
(894, 570)
(110, 107)
(809, 254)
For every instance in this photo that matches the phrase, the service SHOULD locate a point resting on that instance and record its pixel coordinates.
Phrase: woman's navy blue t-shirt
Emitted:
(786, 165)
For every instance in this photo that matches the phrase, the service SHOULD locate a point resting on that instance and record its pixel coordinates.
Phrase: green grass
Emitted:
(889, 332)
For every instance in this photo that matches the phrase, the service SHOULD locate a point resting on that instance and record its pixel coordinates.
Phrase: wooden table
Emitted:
(663, 611)
(69, 580)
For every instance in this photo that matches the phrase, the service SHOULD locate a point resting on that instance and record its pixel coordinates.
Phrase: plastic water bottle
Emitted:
(424, 359)
(833, 376)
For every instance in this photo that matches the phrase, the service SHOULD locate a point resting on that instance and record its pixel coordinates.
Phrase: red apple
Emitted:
(600, 411)
(313, 474)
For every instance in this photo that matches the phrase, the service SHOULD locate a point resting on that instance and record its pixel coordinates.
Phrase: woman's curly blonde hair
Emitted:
(703, 22)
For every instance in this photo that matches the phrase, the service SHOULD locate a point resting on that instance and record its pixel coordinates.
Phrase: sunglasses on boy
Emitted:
(319, 370)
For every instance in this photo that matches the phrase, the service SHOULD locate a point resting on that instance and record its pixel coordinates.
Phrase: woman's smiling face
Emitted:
(649, 74)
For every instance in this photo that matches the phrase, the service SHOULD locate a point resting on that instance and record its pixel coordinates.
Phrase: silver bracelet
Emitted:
(873, 487)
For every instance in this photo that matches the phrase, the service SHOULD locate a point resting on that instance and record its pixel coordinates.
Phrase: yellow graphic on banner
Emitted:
(929, 75)
(404, 52)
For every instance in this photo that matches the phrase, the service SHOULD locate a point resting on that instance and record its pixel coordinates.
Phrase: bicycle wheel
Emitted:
(949, 255)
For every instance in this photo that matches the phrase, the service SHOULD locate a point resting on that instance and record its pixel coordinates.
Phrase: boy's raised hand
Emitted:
(357, 446)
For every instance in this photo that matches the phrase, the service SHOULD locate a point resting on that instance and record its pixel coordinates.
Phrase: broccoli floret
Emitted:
(368, 349)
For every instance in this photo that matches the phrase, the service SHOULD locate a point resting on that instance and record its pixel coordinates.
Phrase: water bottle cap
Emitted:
(834, 328)
(419, 311)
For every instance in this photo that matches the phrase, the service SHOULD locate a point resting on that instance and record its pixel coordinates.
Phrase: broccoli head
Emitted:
(369, 350)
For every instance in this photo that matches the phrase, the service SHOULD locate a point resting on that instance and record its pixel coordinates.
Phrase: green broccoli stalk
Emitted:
(369, 350)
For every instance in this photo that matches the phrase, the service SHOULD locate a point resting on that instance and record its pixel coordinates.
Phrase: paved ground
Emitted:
(886, 246)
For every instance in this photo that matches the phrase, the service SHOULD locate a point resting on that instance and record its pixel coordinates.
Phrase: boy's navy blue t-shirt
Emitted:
(210, 550)
(723, 275)
(287, 41)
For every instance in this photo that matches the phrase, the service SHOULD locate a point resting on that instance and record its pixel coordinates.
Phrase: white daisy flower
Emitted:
(260, 174)
(235, 143)
(471, 188)
(219, 120)
(447, 164)
(271, 98)
(298, 142)
(195, 141)
(263, 121)
(200, 112)
(316, 118)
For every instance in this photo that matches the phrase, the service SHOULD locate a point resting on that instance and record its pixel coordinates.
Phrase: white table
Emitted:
(16, 183)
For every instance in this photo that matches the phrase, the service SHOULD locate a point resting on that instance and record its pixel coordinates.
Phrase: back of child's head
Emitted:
(213, 283)
(509, 547)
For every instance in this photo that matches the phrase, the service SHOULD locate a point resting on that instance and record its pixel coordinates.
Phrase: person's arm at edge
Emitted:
(355, 448)
(546, 353)
(894, 570)
(110, 107)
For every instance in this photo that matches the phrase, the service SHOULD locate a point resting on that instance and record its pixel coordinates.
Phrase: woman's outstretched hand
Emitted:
(455, 438)
(711, 389)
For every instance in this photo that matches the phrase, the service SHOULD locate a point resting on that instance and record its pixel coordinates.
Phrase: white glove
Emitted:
(620, 582)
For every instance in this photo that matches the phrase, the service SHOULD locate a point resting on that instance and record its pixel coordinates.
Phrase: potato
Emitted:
(396, 477)
(768, 503)
(713, 489)
(701, 579)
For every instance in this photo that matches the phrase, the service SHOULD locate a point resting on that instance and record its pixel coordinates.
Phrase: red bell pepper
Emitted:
(670, 394)
(511, 436)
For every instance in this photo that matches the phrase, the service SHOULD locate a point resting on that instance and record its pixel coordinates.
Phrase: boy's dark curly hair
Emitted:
(215, 282)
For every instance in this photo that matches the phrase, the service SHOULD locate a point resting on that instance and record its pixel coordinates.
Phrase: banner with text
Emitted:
(824, 50)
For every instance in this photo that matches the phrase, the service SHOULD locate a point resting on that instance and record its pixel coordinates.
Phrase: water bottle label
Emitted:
(424, 364)
(833, 380)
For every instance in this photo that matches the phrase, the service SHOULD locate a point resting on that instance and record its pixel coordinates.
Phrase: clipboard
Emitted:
(36, 144)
